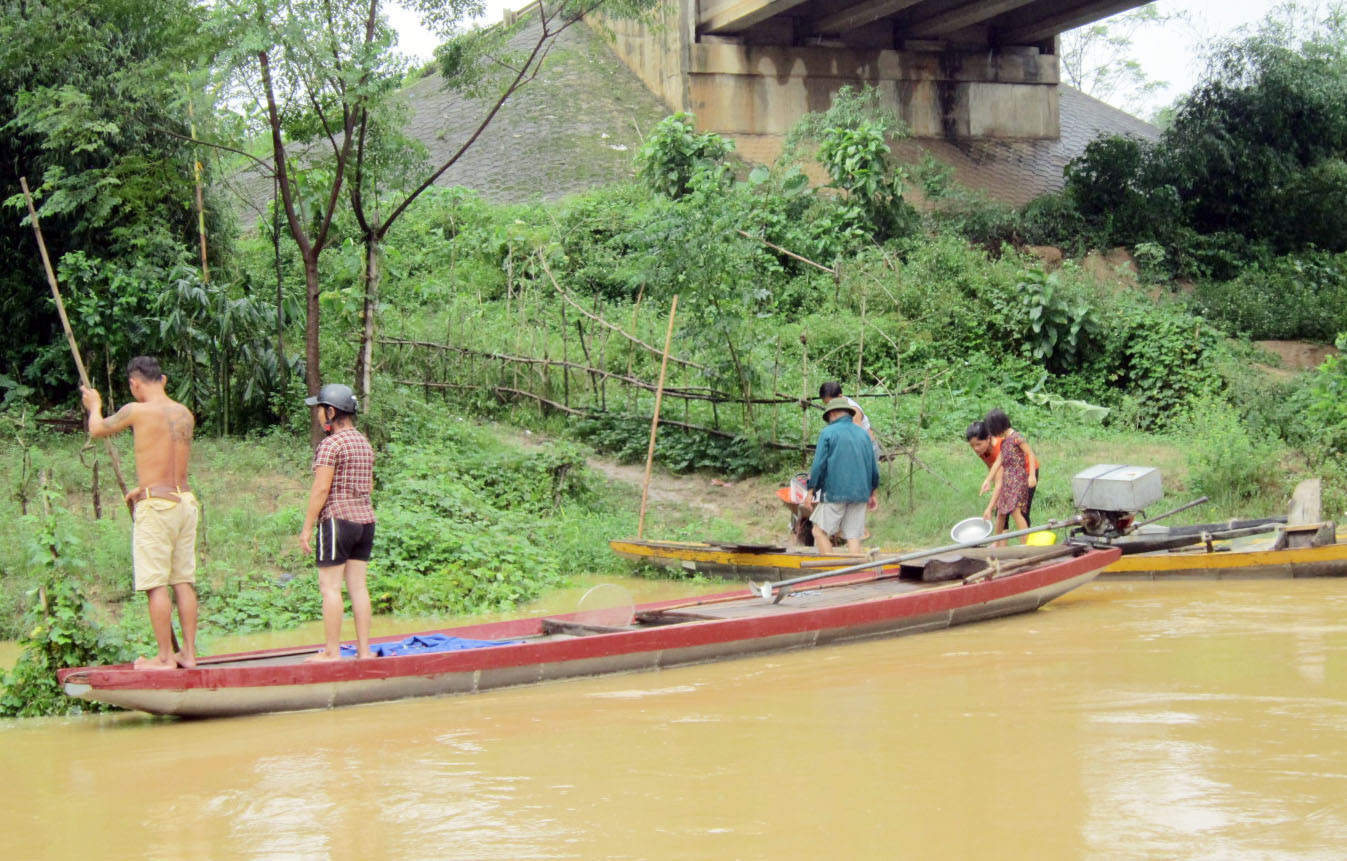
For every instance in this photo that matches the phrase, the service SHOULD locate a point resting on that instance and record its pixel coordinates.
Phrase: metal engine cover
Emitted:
(1113, 487)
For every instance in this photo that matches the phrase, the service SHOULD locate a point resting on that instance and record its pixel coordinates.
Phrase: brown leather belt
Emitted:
(166, 492)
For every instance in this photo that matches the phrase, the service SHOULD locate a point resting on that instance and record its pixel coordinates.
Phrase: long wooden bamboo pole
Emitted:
(200, 202)
(654, 420)
(65, 324)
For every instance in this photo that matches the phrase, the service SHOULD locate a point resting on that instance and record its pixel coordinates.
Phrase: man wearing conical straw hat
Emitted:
(845, 476)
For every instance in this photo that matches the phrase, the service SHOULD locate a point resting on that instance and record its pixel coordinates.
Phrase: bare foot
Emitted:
(321, 658)
(365, 656)
(185, 661)
(155, 663)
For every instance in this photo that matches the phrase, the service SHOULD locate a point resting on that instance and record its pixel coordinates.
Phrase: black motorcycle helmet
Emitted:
(337, 396)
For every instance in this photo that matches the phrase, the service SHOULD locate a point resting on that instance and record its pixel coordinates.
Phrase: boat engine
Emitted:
(1109, 496)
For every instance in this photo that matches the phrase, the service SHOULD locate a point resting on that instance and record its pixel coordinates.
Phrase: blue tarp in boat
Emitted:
(422, 643)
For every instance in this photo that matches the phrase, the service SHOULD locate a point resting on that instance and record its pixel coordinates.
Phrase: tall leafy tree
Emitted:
(87, 88)
(491, 64)
(1255, 155)
(1100, 59)
(302, 74)
(1266, 132)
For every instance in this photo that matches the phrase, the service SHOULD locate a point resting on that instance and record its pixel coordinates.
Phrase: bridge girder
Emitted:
(994, 23)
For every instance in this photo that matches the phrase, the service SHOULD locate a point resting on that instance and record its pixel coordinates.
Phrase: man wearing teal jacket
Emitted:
(845, 475)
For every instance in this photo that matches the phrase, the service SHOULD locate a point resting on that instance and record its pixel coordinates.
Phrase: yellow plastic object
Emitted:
(1041, 538)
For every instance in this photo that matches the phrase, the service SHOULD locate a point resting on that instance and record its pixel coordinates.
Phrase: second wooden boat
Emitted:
(1244, 558)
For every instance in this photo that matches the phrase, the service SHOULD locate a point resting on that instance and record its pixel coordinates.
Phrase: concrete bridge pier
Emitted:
(749, 69)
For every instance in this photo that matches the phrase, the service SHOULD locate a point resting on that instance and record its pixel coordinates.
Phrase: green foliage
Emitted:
(1252, 157)
(61, 627)
(1060, 329)
(1293, 297)
(675, 153)
(1325, 406)
(1161, 356)
(1225, 461)
(858, 160)
(850, 109)
(93, 95)
(1055, 219)
(627, 438)
(1121, 188)
(1152, 262)
(852, 139)
(461, 522)
(245, 604)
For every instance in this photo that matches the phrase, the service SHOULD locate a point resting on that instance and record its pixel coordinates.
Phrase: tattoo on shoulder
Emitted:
(181, 423)
(119, 419)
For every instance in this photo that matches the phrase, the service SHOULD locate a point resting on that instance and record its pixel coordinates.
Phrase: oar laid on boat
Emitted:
(765, 590)
(1143, 543)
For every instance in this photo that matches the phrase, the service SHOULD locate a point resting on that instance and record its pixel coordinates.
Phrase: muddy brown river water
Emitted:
(1129, 720)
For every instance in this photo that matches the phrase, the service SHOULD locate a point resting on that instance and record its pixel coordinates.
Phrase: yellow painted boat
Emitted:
(1248, 558)
(736, 561)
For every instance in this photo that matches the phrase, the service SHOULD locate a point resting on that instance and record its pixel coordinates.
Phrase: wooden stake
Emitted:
(776, 375)
(860, 350)
(804, 397)
(65, 324)
(631, 348)
(654, 420)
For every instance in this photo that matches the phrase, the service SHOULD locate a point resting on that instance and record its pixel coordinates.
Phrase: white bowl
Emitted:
(971, 529)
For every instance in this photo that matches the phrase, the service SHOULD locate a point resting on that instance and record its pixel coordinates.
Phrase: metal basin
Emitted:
(971, 529)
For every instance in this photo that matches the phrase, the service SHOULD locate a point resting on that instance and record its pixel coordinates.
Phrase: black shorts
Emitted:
(340, 540)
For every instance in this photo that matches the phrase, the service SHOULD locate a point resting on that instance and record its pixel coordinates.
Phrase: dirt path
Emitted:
(692, 502)
(697, 506)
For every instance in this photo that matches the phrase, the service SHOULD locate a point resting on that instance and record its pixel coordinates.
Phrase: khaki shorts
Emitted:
(163, 542)
(841, 518)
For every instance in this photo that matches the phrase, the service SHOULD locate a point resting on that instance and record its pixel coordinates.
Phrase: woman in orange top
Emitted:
(1014, 474)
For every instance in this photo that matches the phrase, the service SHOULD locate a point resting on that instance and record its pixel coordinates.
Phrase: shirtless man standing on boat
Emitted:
(163, 511)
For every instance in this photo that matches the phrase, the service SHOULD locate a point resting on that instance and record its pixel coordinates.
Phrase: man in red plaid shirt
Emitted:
(339, 503)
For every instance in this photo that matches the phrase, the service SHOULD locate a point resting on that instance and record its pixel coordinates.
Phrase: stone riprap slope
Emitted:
(578, 125)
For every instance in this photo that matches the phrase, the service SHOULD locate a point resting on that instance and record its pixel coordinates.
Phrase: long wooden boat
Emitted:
(735, 561)
(835, 609)
(1239, 559)
(1246, 558)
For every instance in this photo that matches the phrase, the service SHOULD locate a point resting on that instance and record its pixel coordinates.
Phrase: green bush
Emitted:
(1225, 461)
(627, 438)
(61, 628)
(1325, 406)
(1300, 297)
(1054, 219)
(461, 521)
(675, 152)
(1160, 355)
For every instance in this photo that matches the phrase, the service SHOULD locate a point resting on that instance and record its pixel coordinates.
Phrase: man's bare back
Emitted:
(163, 430)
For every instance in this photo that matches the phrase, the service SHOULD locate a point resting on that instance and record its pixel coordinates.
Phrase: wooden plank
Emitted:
(1306, 502)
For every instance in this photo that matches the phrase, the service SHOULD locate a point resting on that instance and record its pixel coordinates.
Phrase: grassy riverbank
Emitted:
(480, 516)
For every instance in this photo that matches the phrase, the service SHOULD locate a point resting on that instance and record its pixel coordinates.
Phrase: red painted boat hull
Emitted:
(277, 680)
